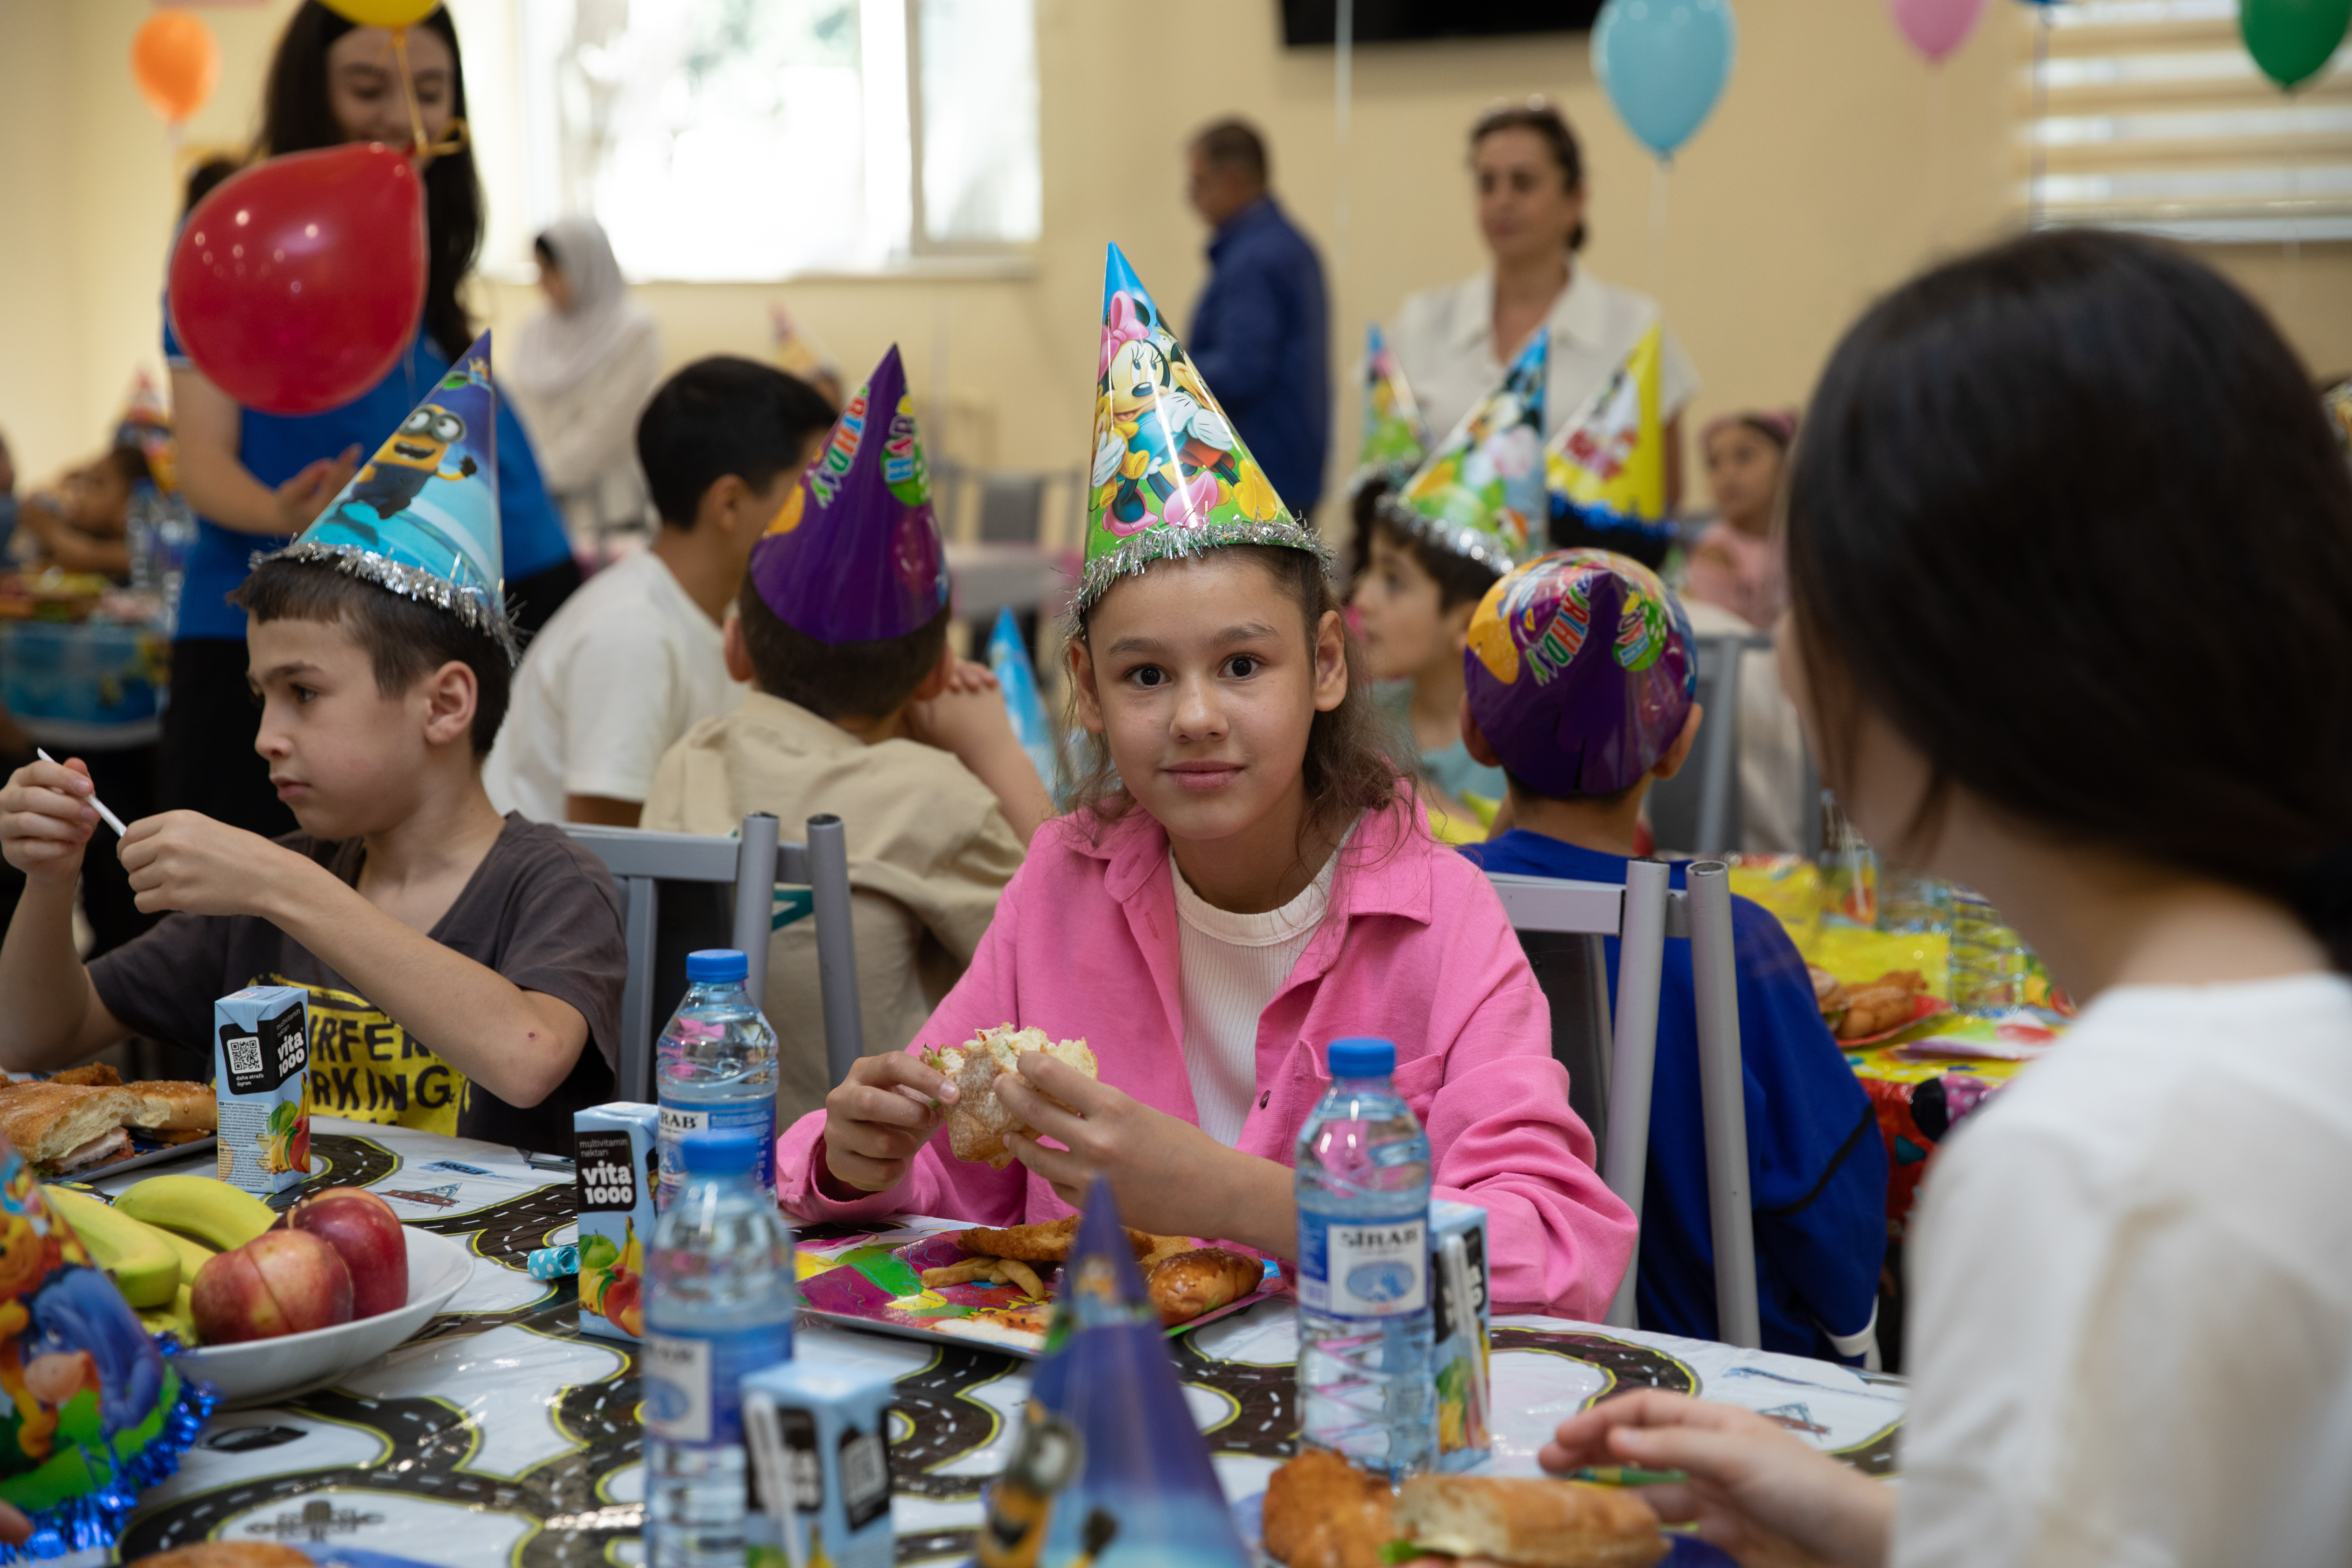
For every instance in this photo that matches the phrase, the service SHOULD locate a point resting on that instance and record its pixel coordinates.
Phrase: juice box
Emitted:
(1459, 1348)
(612, 1152)
(820, 1465)
(261, 1078)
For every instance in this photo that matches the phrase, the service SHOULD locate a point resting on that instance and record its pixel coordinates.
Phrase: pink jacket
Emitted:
(1415, 950)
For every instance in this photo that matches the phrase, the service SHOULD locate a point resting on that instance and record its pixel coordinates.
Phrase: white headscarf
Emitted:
(560, 349)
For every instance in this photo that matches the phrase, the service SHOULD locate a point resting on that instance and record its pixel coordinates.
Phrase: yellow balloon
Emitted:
(383, 13)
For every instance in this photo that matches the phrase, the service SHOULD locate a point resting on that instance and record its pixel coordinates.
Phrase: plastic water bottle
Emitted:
(1364, 1383)
(1989, 961)
(716, 1067)
(721, 1306)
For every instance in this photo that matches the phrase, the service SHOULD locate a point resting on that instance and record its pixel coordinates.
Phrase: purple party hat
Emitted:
(854, 555)
(1571, 713)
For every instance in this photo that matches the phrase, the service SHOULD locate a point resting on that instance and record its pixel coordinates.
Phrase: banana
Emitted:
(209, 1210)
(143, 1265)
(194, 1254)
(179, 1317)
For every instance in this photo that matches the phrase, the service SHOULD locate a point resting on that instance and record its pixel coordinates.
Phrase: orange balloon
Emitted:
(175, 61)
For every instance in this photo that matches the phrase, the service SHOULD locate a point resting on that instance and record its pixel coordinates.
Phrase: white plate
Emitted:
(438, 1268)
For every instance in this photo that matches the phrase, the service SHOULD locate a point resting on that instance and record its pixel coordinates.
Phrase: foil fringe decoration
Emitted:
(1458, 538)
(472, 606)
(1169, 544)
(95, 1519)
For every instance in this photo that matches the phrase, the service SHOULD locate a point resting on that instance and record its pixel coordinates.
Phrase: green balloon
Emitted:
(2292, 41)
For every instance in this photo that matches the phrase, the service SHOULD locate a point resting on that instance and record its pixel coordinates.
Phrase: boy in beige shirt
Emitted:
(856, 708)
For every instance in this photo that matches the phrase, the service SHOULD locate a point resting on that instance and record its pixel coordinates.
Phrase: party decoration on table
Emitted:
(1935, 27)
(1481, 493)
(1109, 1457)
(95, 1411)
(2292, 40)
(297, 284)
(1663, 65)
(855, 553)
(176, 61)
(1570, 712)
(421, 516)
(382, 13)
(1016, 677)
(1171, 476)
(1394, 444)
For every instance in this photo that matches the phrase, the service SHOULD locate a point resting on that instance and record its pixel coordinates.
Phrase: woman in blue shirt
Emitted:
(256, 480)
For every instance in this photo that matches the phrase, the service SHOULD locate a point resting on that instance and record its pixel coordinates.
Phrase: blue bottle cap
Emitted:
(1362, 1057)
(721, 1152)
(716, 965)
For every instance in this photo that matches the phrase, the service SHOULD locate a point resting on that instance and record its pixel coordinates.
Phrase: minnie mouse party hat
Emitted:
(1170, 476)
(854, 555)
(1481, 493)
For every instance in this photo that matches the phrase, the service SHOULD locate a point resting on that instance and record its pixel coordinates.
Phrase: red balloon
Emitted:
(297, 284)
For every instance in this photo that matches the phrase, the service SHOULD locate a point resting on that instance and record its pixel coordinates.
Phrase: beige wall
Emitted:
(1836, 163)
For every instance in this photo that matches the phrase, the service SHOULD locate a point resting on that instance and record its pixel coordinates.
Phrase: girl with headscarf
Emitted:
(581, 373)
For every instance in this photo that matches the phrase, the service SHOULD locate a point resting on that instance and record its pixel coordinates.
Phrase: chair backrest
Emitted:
(684, 890)
(1696, 812)
(1642, 914)
(1013, 507)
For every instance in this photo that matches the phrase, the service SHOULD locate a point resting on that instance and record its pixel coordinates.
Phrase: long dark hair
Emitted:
(298, 116)
(2066, 514)
(1536, 114)
(1348, 768)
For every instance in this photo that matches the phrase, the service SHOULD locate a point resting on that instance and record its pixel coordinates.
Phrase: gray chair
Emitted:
(1642, 915)
(682, 891)
(1696, 812)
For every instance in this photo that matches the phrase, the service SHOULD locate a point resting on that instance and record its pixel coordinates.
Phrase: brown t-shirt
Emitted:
(540, 910)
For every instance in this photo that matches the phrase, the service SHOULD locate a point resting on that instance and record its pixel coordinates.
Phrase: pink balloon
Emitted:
(1935, 27)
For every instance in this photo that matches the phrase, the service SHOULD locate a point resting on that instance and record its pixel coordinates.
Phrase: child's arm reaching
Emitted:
(54, 1016)
(515, 1044)
(969, 720)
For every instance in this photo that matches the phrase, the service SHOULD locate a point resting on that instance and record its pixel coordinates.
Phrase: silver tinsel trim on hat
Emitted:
(1482, 545)
(475, 608)
(1166, 544)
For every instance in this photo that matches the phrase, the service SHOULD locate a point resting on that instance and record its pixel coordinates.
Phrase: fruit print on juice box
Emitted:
(612, 1152)
(262, 1082)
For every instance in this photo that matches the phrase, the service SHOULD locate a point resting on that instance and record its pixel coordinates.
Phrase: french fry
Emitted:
(959, 1273)
(1015, 1273)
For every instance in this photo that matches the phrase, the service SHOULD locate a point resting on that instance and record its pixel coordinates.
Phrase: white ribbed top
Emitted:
(1232, 966)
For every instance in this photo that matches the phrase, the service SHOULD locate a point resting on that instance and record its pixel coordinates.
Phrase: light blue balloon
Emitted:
(1664, 64)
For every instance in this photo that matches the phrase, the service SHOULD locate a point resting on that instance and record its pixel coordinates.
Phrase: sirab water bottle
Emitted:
(721, 1306)
(716, 1067)
(1990, 962)
(1364, 1380)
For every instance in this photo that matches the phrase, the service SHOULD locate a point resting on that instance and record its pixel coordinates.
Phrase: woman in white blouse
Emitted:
(581, 373)
(1454, 343)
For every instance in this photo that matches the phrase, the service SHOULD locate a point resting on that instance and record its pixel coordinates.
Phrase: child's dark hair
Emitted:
(1349, 768)
(2067, 516)
(1539, 115)
(404, 641)
(130, 466)
(1460, 580)
(721, 416)
(839, 679)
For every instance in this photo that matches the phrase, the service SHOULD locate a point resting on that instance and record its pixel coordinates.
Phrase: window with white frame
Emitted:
(751, 140)
(2149, 115)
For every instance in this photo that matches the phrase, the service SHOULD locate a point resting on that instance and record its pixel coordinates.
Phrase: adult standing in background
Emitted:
(1259, 331)
(581, 371)
(256, 480)
(1454, 342)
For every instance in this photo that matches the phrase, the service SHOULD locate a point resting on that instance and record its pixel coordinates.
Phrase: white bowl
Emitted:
(438, 1268)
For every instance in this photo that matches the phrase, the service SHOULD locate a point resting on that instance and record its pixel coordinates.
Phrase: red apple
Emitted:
(362, 1228)
(281, 1282)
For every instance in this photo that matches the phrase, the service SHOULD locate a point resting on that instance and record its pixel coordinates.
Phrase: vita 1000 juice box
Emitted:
(261, 1078)
(1458, 1353)
(612, 1152)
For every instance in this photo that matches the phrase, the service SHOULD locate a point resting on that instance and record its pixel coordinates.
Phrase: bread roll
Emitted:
(169, 1107)
(977, 1122)
(54, 1124)
(1323, 1512)
(1530, 1523)
(227, 1554)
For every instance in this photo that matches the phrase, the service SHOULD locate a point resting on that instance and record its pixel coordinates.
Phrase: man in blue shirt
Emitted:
(1259, 333)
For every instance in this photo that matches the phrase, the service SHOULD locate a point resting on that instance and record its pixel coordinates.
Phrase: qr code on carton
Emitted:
(245, 1053)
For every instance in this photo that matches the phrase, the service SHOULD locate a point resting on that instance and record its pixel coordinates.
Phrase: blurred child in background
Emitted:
(1737, 562)
(84, 524)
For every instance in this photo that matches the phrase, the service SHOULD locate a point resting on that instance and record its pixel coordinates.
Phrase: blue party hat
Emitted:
(854, 554)
(1110, 1458)
(421, 516)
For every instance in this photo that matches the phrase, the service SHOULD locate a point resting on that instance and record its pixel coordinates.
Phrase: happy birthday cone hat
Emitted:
(1393, 444)
(1612, 457)
(1481, 493)
(421, 516)
(854, 555)
(1171, 476)
(1110, 1457)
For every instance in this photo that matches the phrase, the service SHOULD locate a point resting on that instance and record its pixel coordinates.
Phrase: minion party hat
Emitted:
(421, 516)
(1111, 1466)
(856, 555)
(1481, 493)
(1393, 444)
(1171, 475)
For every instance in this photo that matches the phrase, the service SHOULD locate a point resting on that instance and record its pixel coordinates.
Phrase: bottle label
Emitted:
(1363, 1269)
(691, 1382)
(678, 1119)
